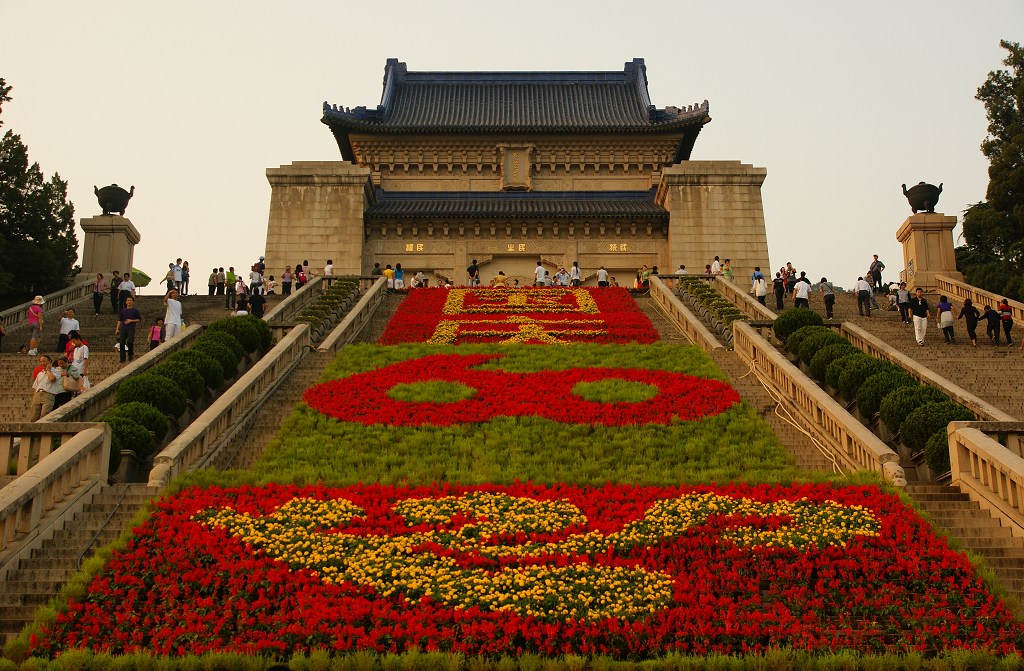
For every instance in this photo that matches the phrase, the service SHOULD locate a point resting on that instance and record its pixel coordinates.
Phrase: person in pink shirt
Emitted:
(35, 324)
(154, 334)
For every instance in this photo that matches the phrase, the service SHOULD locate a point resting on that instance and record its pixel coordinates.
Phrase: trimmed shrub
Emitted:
(154, 390)
(790, 320)
(132, 436)
(115, 452)
(183, 375)
(144, 414)
(859, 370)
(926, 419)
(205, 364)
(220, 353)
(936, 452)
(243, 331)
(266, 336)
(797, 337)
(902, 401)
(816, 341)
(877, 387)
(828, 354)
(225, 340)
(836, 368)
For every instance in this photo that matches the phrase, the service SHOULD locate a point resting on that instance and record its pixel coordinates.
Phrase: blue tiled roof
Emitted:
(516, 205)
(514, 102)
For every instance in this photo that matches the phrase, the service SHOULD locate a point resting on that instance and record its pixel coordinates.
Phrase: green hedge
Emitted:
(131, 436)
(902, 401)
(817, 341)
(243, 330)
(144, 414)
(859, 370)
(224, 339)
(155, 390)
(182, 374)
(928, 418)
(794, 318)
(838, 366)
(204, 363)
(796, 338)
(826, 355)
(877, 387)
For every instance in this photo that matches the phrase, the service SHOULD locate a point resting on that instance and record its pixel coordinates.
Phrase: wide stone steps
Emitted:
(39, 577)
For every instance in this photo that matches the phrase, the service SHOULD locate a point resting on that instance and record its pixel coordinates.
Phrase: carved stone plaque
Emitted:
(516, 163)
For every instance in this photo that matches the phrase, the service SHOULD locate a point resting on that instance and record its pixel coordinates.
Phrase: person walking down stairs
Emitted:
(921, 313)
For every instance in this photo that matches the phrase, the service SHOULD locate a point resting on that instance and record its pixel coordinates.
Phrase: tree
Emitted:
(993, 257)
(38, 245)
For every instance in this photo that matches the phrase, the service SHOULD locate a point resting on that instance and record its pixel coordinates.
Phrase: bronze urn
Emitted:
(113, 198)
(922, 196)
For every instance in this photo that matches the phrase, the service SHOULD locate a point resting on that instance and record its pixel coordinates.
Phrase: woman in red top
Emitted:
(1006, 316)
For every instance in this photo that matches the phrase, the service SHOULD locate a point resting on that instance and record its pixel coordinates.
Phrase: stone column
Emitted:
(715, 209)
(316, 213)
(927, 239)
(110, 241)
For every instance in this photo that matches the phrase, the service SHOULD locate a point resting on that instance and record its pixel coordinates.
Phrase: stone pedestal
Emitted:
(927, 240)
(715, 209)
(110, 241)
(316, 213)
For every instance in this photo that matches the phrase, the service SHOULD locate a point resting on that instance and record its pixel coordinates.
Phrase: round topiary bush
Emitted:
(877, 387)
(183, 375)
(264, 335)
(155, 390)
(224, 339)
(926, 419)
(132, 436)
(243, 331)
(794, 318)
(936, 452)
(797, 337)
(836, 368)
(828, 354)
(902, 401)
(205, 364)
(817, 341)
(851, 379)
(144, 414)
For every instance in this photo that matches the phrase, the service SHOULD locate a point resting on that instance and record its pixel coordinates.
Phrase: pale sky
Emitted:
(192, 101)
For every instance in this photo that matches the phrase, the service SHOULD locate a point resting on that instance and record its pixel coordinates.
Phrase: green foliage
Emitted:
(37, 224)
(182, 374)
(144, 414)
(341, 295)
(928, 418)
(858, 370)
(132, 436)
(115, 452)
(838, 366)
(877, 387)
(615, 391)
(265, 336)
(994, 229)
(902, 401)
(796, 338)
(790, 320)
(826, 355)
(155, 390)
(243, 330)
(431, 391)
(817, 341)
(225, 339)
(936, 452)
(221, 353)
(706, 297)
(204, 363)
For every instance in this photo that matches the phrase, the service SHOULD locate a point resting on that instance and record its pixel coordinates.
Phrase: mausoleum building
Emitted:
(511, 168)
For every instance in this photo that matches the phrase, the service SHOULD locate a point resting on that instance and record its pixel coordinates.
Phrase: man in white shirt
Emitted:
(716, 267)
(125, 290)
(863, 289)
(602, 277)
(45, 387)
(68, 323)
(539, 274)
(176, 273)
(255, 280)
(172, 318)
(802, 294)
(561, 278)
(329, 268)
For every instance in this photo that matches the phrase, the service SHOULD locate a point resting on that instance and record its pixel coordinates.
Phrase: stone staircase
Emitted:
(39, 578)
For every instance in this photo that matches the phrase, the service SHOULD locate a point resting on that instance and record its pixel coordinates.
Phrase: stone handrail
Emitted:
(52, 304)
(73, 469)
(989, 472)
(89, 405)
(872, 345)
(685, 321)
(743, 301)
(849, 441)
(199, 441)
(283, 314)
(961, 290)
(356, 318)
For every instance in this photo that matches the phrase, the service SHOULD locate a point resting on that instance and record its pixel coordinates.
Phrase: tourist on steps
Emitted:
(921, 313)
(945, 319)
(971, 315)
(1006, 316)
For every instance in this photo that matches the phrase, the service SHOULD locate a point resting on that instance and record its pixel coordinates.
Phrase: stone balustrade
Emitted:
(851, 445)
(987, 463)
(357, 317)
(282, 318)
(961, 290)
(685, 321)
(41, 498)
(195, 445)
(53, 304)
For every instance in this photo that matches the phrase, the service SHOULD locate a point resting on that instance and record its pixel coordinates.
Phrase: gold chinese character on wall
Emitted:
(613, 247)
(516, 162)
(419, 247)
(408, 247)
(622, 247)
(522, 247)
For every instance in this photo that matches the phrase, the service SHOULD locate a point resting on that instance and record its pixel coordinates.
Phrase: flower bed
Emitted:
(552, 315)
(620, 570)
